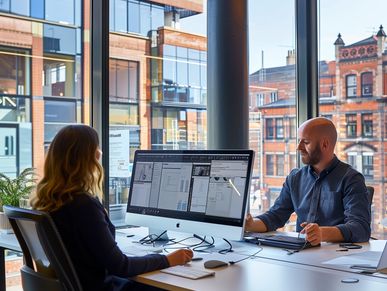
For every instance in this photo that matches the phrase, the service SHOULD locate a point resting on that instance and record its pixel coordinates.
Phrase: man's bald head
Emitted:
(321, 127)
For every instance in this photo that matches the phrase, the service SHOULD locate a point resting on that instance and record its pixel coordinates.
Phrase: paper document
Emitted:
(365, 258)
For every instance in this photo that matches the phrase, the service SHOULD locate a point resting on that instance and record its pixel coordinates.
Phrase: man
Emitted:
(328, 196)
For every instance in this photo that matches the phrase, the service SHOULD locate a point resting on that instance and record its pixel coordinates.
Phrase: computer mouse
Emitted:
(212, 264)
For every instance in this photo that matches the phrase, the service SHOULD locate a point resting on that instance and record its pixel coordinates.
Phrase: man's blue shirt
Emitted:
(337, 197)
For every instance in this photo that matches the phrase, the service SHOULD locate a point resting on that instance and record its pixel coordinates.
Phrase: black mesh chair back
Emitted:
(370, 191)
(47, 265)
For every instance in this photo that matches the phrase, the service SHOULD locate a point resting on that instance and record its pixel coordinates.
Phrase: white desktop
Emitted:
(200, 192)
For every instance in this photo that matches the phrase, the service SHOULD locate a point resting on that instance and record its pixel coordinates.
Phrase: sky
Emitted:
(271, 27)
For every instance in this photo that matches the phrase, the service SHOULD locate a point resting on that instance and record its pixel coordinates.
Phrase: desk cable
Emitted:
(248, 257)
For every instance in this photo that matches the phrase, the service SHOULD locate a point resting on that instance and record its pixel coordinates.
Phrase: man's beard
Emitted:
(313, 157)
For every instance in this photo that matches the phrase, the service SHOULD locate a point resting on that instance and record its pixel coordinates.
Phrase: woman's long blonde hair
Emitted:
(71, 168)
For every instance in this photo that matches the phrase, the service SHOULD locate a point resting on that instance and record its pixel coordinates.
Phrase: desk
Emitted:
(265, 274)
(7, 242)
(274, 270)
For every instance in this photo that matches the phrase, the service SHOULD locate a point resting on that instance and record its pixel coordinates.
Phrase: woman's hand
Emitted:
(179, 257)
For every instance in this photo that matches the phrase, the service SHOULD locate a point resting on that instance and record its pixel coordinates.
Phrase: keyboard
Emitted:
(188, 272)
(278, 240)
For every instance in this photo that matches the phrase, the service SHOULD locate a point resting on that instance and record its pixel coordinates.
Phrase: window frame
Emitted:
(350, 86)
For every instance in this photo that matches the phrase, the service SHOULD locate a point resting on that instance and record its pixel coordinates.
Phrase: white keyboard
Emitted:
(187, 272)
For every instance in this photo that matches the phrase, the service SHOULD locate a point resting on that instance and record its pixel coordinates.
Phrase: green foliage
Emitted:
(12, 190)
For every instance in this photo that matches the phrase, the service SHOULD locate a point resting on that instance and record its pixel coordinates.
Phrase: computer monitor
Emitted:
(200, 192)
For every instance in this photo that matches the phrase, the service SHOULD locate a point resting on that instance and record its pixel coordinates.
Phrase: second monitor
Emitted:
(201, 192)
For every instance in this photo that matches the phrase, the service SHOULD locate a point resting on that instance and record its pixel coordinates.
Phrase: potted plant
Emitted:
(13, 190)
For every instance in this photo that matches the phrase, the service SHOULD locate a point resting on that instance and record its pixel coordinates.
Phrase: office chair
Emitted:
(47, 265)
(370, 195)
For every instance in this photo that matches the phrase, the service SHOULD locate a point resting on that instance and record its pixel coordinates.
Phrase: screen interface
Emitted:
(208, 186)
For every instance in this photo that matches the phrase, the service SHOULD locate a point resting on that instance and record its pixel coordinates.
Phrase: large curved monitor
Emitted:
(200, 192)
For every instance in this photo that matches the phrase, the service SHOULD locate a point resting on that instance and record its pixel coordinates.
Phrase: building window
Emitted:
(58, 114)
(368, 166)
(362, 162)
(366, 84)
(279, 128)
(280, 162)
(123, 83)
(367, 127)
(273, 97)
(270, 165)
(352, 160)
(14, 72)
(260, 99)
(135, 16)
(351, 86)
(292, 127)
(180, 78)
(351, 125)
(270, 128)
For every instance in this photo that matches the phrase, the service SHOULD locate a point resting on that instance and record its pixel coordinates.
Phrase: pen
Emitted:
(233, 186)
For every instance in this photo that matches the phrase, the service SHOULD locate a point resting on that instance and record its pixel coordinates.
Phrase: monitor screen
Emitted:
(201, 192)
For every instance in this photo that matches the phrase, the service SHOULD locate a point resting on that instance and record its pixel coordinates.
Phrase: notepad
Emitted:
(188, 272)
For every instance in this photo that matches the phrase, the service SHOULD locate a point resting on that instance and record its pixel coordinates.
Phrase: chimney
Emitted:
(291, 57)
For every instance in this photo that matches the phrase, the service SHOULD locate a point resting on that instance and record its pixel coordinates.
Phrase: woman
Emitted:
(71, 192)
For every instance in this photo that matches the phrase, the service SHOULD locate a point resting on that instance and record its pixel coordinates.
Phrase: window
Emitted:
(135, 16)
(59, 39)
(123, 83)
(4, 5)
(367, 127)
(260, 99)
(351, 125)
(366, 84)
(279, 128)
(351, 86)
(292, 128)
(21, 7)
(57, 114)
(181, 78)
(280, 162)
(58, 77)
(62, 11)
(270, 165)
(273, 97)
(269, 128)
(368, 166)
(14, 71)
(352, 160)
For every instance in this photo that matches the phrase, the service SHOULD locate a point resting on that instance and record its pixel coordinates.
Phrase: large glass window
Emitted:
(272, 80)
(354, 51)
